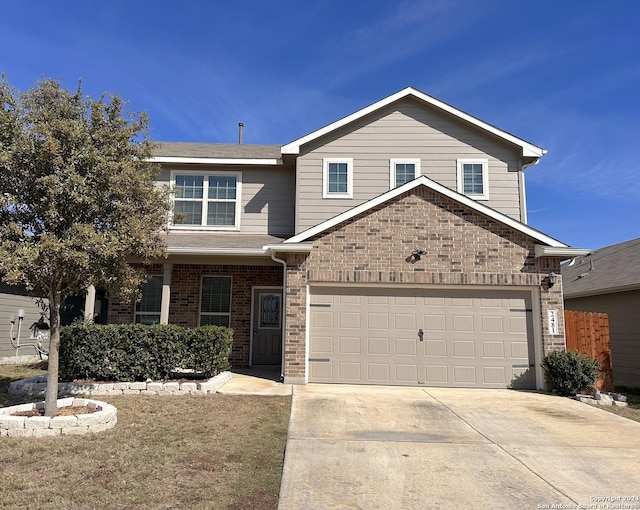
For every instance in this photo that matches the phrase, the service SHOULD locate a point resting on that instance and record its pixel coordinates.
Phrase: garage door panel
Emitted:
(462, 323)
(436, 374)
(406, 347)
(349, 320)
(348, 345)
(493, 349)
(349, 371)
(405, 321)
(495, 375)
(379, 372)
(321, 371)
(378, 346)
(407, 373)
(378, 320)
(463, 374)
(322, 319)
(492, 324)
(472, 338)
(321, 345)
(464, 349)
(435, 348)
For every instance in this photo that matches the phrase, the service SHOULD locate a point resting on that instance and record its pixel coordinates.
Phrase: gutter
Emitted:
(566, 252)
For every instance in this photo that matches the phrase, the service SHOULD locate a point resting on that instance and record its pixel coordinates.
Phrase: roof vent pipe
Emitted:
(240, 127)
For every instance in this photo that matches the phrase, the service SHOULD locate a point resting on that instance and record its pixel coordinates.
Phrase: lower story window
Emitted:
(215, 302)
(148, 308)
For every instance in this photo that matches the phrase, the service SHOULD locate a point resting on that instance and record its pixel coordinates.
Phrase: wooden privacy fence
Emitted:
(588, 333)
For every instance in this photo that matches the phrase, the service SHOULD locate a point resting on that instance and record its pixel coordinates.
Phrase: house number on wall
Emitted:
(553, 322)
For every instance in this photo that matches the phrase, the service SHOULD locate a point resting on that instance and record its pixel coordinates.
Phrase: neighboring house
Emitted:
(608, 281)
(398, 234)
(12, 300)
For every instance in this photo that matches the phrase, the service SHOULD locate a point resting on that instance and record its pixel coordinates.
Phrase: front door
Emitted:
(267, 326)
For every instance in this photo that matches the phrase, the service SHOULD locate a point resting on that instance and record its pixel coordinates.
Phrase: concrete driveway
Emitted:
(364, 447)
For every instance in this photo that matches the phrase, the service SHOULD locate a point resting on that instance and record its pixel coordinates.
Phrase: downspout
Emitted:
(284, 307)
(523, 193)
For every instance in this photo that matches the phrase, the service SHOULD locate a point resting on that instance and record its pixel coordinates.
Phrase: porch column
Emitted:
(166, 293)
(90, 303)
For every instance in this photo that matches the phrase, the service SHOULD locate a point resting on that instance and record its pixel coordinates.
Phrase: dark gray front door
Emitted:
(267, 326)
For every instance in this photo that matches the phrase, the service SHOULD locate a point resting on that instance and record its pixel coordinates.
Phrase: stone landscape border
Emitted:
(103, 418)
(37, 385)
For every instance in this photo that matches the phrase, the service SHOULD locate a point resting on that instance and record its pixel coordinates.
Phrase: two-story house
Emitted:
(389, 247)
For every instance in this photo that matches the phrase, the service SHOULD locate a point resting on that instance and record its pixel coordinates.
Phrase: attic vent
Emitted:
(240, 128)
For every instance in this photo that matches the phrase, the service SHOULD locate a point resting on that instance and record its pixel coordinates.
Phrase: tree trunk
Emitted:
(51, 396)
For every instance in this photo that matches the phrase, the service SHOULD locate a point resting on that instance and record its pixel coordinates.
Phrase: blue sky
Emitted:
(564, 75)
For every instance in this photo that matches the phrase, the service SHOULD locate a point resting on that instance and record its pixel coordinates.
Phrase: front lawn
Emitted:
(632, 410)
(195, 452)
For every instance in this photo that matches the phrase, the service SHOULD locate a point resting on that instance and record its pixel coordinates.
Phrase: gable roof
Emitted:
(614, 268)
(559, 249)
(223, 153)
(528, 149)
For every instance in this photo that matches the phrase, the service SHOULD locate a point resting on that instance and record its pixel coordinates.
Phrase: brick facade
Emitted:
(185, 299)
(462, 248)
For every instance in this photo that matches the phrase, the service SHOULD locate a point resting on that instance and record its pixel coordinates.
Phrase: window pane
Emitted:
(147, 319)
(269, 310)
(151, 296)
(221, 213)
(472, 178)
(405, 172)
(214, 320)
(216, 294)
(222, 188)
(337, 178)
(189, 186)
(187, 213)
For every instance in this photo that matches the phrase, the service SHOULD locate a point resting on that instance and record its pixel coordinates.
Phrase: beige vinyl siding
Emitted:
(267, 196)
(403, 130)
(624, 329)
(11, 300)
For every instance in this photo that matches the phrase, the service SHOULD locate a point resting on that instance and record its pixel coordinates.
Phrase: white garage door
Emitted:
(462, 338)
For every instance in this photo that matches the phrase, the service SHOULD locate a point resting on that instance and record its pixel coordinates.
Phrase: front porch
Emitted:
(245, 297)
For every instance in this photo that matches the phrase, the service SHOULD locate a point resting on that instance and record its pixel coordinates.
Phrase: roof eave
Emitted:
(241, 252)
(288, 248)
(217, 161)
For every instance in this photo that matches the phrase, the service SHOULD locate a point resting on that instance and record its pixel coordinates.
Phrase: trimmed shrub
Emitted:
(207, 349)
(568, 372)
(135, 352)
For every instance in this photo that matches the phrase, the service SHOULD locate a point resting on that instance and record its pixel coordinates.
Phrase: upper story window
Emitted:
(148, 308)
(208, 199)
(473, 178)
(337, 178)
(403, 171)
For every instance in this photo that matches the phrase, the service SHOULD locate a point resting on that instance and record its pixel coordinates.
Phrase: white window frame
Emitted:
(137, 313)
(205, 199)
(217, 314)
(485, 177)
(392, 169)
(325, 178)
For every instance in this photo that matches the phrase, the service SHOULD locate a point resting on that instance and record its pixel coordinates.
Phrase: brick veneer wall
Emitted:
(185, 299)
(463, 248)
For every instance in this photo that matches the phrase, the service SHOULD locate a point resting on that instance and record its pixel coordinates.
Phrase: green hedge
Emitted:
(568, 372)
(134, 352)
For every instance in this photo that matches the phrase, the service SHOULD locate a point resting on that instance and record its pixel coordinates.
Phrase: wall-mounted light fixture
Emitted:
(415, 256)
(551, 278)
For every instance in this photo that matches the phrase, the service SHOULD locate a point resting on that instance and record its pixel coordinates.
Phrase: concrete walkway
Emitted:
(261, 380)
(361, 447)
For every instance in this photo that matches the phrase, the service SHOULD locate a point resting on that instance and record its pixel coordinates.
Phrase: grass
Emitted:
(192, 452)
(632, 410)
